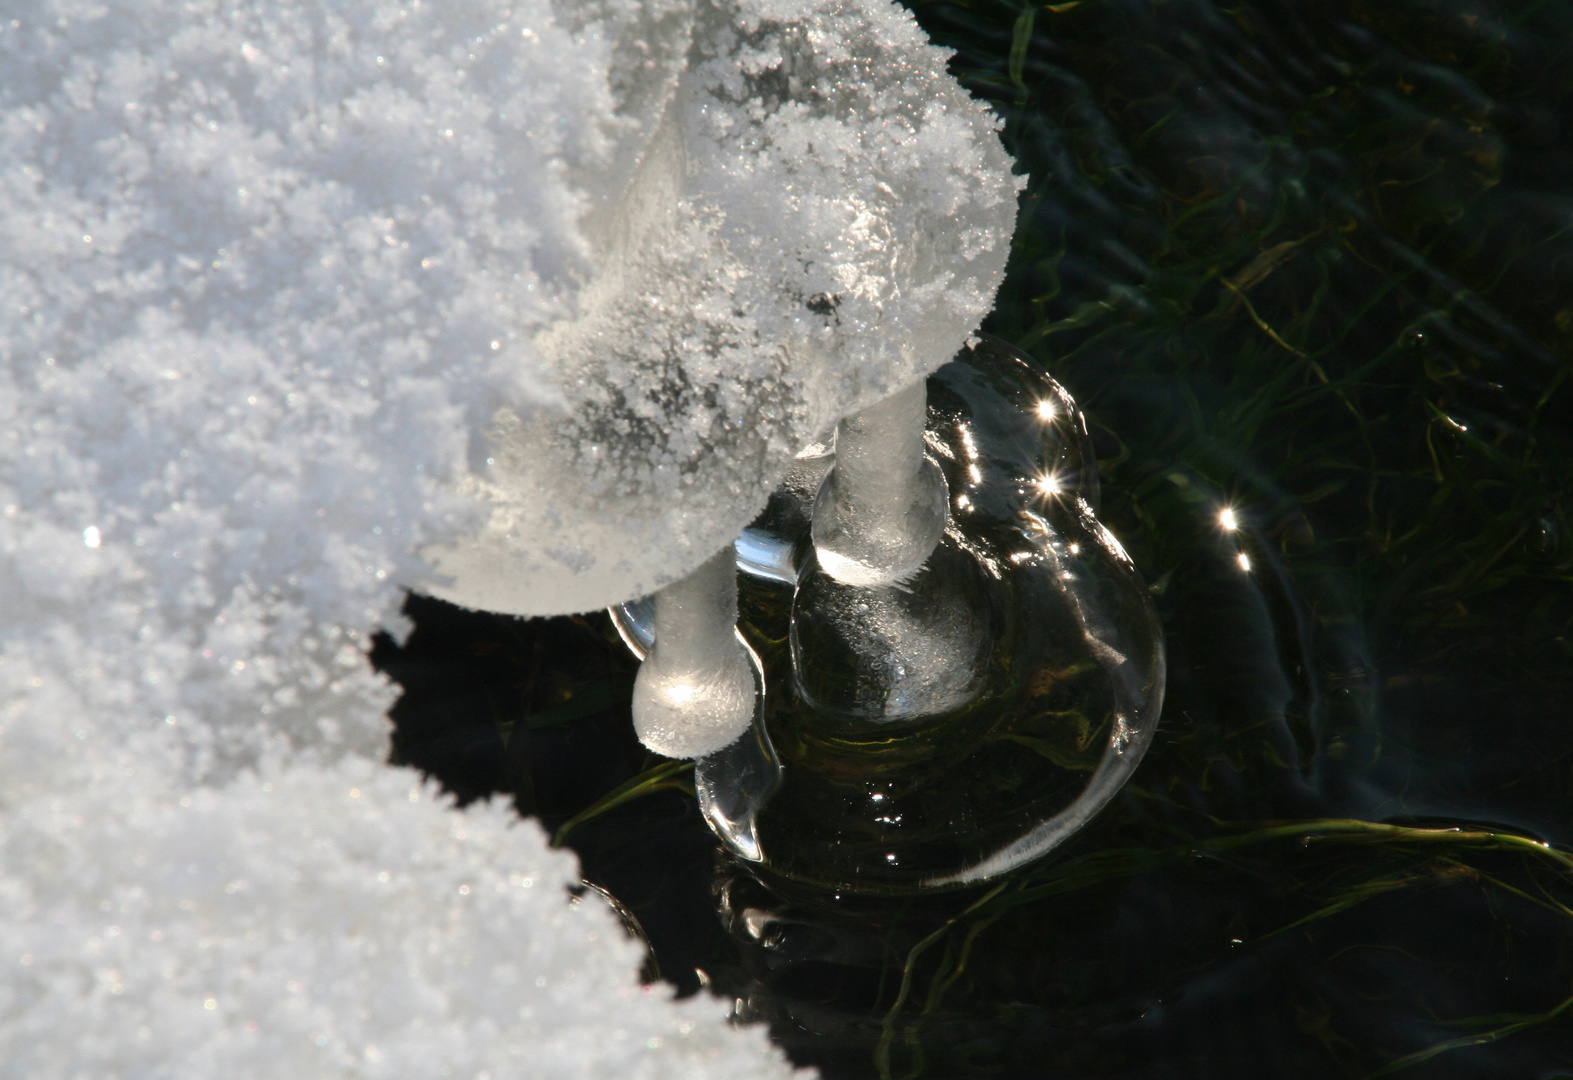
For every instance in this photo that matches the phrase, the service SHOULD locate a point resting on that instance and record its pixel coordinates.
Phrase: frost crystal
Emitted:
(290, 293)
(818, 218)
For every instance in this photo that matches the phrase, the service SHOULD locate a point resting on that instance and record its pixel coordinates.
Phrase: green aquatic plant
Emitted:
(1411, 858)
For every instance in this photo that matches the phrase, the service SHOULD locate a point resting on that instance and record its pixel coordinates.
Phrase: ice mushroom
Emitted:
(933, 714)
(805, 216)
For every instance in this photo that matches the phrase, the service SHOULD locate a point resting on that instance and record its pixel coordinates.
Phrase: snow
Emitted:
(292, 294)
(330, 922)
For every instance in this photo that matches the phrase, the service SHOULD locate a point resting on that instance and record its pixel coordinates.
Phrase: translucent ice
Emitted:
(731, 783)
(881, 509)
(816, 216)
(804, 218)
(953, 726)
(891, 653)
(695, 690)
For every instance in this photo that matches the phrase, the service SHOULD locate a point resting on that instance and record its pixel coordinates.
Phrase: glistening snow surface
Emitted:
(320, 922)
(275, 280)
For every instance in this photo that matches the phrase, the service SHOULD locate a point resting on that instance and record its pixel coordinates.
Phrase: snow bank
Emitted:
(273, 275)
(326, 922)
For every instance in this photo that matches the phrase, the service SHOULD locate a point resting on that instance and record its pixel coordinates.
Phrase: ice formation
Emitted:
(291, 293)
(815, 216)
(882, 508)
(695, 691)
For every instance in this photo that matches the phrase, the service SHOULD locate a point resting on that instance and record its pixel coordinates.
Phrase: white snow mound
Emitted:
(323, 923)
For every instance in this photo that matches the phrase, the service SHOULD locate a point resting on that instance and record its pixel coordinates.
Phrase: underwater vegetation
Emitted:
(1307, 269)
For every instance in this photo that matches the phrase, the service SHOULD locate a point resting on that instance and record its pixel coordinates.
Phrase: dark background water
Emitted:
(1312, 261)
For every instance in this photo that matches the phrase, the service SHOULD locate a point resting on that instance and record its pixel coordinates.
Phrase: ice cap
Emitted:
(806, 214)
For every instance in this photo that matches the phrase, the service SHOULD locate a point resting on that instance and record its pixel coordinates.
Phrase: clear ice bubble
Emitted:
(959, 723)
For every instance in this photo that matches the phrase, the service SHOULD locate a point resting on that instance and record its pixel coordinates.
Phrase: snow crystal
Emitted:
(315, 923)
(293, 293)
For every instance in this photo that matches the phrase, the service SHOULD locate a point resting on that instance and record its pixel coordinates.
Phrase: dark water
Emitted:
(1313, 262)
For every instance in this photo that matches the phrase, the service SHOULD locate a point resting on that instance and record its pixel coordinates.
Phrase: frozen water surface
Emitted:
(289, 293)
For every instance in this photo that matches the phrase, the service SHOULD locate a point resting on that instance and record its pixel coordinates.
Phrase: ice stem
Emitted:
(695, 691)
(881, 510)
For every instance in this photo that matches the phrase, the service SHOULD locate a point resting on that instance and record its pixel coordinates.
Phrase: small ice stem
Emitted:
(881, 509)
(695, 691)
(879, 453)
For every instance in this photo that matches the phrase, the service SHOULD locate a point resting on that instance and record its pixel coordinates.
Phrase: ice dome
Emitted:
(276, 281)
(805, 215)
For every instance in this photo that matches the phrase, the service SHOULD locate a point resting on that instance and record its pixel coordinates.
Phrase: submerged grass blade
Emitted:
(1354, 830)
(1483, 1039)
(669, 775)
(1357, 895)
(1090, 870)
(888, 1034)
(1105, 865)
